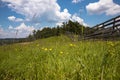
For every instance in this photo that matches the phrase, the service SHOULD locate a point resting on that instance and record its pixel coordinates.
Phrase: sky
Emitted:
(18, 18)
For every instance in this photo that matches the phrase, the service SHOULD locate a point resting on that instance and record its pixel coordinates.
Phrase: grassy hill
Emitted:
(58, 58)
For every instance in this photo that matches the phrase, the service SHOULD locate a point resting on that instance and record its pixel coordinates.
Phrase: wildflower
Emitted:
(50, 49)
(61, 52)
(45, 49)
(72, 45)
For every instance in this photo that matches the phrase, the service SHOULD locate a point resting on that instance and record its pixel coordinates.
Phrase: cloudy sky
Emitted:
(18, 18)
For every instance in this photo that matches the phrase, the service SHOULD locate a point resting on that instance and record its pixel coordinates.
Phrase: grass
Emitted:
(57, 58)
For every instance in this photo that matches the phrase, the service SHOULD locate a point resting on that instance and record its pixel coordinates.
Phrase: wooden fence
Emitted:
(106, 29)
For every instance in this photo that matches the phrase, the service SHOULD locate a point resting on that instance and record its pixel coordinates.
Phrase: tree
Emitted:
(70, 27)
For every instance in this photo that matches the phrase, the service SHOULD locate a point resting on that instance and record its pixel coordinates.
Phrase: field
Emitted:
(58, 58)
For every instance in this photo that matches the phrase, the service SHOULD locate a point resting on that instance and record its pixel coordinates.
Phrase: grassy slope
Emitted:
(58, 58)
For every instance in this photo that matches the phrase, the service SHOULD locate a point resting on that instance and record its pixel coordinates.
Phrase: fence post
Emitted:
(113, 23)
(82, 31)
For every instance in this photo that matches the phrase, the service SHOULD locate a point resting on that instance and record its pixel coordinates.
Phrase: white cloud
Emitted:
(20, 31)
(11, 18)
(24, 28)
(37, 24)
(38, 11)
(78, 19)
(77, 1)
(19, 20)
(103, 6)
(59, 23)
(8, 34)
(1, 29)
(42, 10)
(64, 16)
(10, 27)
(14, 19)
(74, 18)
(3, 34)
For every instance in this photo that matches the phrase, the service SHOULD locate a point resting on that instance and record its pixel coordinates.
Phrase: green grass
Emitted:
(57, 58)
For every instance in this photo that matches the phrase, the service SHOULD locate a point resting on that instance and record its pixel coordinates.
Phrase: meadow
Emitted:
(58, 58)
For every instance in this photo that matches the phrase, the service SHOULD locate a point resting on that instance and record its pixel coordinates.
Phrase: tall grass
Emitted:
(58, 58)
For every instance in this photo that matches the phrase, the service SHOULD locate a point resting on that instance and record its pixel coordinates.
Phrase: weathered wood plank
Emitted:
(107, 28)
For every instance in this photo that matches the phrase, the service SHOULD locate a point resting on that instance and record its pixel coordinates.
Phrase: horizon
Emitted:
(21, 17)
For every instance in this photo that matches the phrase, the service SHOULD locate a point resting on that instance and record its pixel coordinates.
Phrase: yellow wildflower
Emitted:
(45, 49)
(72, 45)
(61, 52)
(50, 49)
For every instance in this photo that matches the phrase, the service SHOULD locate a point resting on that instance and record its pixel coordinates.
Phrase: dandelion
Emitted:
(72, 45)
(45, 49)
(50, 49)
(61, 52)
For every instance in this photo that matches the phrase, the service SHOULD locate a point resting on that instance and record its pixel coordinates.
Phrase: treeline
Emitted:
(66, 27)
(7, 41)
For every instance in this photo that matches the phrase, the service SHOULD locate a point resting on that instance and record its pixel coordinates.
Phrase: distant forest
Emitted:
(67, 27)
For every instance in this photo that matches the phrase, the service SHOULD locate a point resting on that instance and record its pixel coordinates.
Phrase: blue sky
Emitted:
(20, 17)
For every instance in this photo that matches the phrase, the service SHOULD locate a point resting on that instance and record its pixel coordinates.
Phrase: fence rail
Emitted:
(106, 29)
